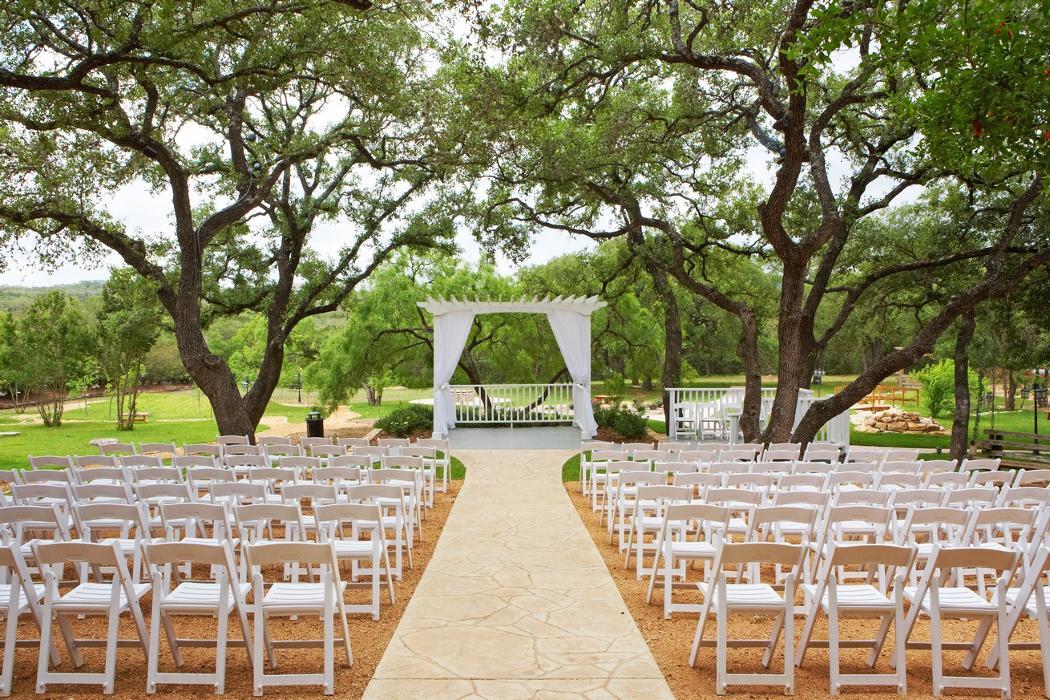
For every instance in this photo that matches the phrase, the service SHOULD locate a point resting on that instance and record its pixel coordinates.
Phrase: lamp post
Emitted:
(1038, 398)
(299, 386)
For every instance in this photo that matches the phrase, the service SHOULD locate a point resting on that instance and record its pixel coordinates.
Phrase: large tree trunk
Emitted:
(961, 422)
(671, 375)
(785, 403)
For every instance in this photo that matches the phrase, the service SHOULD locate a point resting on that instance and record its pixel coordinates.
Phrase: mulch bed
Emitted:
(670, 641)
(369, 640)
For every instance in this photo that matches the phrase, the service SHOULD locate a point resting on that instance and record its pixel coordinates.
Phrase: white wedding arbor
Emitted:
(570, 321)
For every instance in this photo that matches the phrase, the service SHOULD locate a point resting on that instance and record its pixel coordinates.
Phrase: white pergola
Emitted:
(570, 319)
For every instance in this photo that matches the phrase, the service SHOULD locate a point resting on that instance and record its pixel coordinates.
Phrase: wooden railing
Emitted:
(889, 394)
(513, 403)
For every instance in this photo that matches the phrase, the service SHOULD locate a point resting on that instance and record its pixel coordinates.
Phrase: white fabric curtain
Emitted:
(572, 330)
(450, 337)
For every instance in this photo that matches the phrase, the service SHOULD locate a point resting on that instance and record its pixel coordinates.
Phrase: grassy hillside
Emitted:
(15, 298)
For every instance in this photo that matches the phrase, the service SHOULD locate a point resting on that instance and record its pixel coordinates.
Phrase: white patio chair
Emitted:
(326, 450)
(135, 462)
(126, 519)
(741, 503)
(699, 456)
(343, 525)
(622, 502)
(119, 596)
(144, 476)
(678, 548)
(353, 441)
(242, 449)
(324, 599)
(274, 478)
(937, 599)
(50, 462)
(187, 462)
(753, 599)
(1030, 477)
(925, 528)
(276, 451)
(93, 461)
(902, 454)
(227, 440)
(218, 597)
(18, 596)
(116, 449)
(969, 465)
(836, 600)
(782, 452)
(308, 442)
(802, 482)
(947, 480)
(202, 479)
(240, 464)
(202, 450)
(444, 457)
(164, 450)
(822, 453)
(430, 465)
(896, 481)
(700, 482)
(874, 455)
(901, 466)
(272, 440)
(821, 468)
(396, 520)
(928, 467)
(1028, 600)
(647, 519)
(998, 478)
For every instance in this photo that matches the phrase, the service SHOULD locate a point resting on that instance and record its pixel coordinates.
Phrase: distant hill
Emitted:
(13, 298)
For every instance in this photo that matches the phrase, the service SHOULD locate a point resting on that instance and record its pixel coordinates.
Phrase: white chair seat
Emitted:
(693, 550)
(291, 598)
(95, 597)
(955, 600)
(857, 597)
(1011, 597)
(200, 595)
(23, 602)
(751, 596)
(352, 548)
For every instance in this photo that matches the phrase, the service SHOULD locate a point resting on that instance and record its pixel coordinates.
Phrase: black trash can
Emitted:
(314, 424)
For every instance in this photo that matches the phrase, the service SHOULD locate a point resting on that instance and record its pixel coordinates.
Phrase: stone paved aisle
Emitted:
(516, 601)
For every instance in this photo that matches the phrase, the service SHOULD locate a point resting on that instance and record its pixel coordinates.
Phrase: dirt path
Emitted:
(342, 417)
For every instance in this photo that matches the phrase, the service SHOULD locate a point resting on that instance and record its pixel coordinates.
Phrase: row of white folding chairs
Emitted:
(222, 596)
(912, 474)
(148, 453)
(263, 484)
(743, 502)
(113, 469)
(244, 515)
(937, 595)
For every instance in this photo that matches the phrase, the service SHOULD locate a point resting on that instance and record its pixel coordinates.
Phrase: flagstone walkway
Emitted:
(516, 601)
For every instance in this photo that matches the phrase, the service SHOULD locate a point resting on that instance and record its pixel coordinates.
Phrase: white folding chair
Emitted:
(280, 599)
(822, 453)
(753, 599)
(218, 597)
(969, 465)
(270, 440)
(925, 528)
(836, 600)
(202, 450)
(678, 548)
(20, 595)
(936, 598)
(395, 521)
(622, 503)
(116, 449)
(444, 460)
(1028, 600)
(647, 519)
(344, 526)
(164, 450)
(120, 595)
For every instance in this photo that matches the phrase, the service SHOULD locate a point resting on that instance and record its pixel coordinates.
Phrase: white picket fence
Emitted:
(711, 413)
(513, 403)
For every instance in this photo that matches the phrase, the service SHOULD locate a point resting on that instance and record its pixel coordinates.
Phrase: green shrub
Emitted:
(615, 385)
(938, 387)
(630, 424)
(406, 421)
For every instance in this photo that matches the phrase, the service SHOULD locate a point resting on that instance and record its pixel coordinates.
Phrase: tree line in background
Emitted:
(805, 183)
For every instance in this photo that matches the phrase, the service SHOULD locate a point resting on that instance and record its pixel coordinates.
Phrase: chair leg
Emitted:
(153, 652)
(900, 640)
(833, 641)
(10, 639)
(376, 573)
(329, 635)
(111, 639)
(1003, 642)
(936, 660)
(789, 636)
(45, 642)
(222, 634)
(721, 647)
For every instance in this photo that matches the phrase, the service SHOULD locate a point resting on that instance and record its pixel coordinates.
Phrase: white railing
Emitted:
(711, 413)
(513, 403)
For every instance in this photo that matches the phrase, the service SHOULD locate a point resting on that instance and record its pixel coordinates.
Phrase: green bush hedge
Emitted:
(629, 423)
(406, 421)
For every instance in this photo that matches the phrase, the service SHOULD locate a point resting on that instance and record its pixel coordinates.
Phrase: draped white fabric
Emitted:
(450, 337)
(572, 330)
